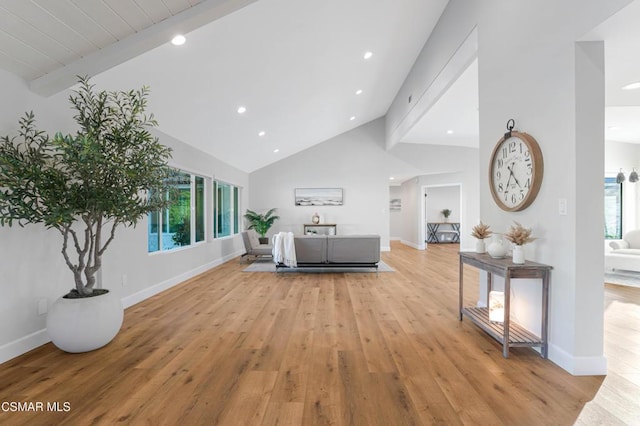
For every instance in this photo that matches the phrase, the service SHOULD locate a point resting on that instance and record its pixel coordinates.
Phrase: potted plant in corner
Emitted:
(112, 172)
(261, 223)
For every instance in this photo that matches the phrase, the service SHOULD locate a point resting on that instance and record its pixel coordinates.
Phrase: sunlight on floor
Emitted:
(618, 400)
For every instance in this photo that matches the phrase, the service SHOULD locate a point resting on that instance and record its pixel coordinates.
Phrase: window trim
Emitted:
(235, 227)
(163, 215)
(620, 230)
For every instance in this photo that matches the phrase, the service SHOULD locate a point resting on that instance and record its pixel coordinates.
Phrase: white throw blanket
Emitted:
(284, 249)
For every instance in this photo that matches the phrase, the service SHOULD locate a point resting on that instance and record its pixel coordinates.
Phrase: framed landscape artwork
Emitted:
(318, 196)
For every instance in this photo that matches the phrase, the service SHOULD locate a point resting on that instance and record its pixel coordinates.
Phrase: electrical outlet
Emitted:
(124, 280)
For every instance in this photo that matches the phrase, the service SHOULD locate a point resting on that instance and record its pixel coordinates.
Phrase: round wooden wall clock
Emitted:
(515, 171)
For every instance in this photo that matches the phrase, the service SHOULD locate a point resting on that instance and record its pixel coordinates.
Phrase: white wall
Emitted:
(355, 161)
(32, 267)
(395, 216)
(412, 229)
(440, 198)
(533, 71)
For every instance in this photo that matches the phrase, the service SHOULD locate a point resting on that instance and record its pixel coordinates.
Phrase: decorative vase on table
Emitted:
(518, 254)
(481, 246)
(497, 249)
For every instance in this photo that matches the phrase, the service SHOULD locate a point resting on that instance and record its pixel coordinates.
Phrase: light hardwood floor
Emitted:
(236, 348)
(618, 399)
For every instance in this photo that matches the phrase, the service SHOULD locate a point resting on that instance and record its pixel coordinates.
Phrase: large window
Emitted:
(182, 223)
(612, 209)
(225, 209)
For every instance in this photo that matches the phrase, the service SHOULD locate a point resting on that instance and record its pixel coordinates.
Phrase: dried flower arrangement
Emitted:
(519, 235)
(481, 231)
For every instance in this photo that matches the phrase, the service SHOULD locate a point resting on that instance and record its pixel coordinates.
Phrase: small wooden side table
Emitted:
(509, 333)
(320, 229)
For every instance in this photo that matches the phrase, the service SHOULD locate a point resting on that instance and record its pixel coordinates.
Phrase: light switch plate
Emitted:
(562, 206)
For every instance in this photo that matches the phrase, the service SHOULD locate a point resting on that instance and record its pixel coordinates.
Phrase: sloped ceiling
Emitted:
(294, 65)
(453, 120)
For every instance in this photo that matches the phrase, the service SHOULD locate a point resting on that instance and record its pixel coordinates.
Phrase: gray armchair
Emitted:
(256, 252)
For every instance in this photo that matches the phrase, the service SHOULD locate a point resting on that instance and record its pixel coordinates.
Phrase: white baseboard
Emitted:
(578, 366)
(414, 245)
(385, 248)
(148, 292)
(25, 344)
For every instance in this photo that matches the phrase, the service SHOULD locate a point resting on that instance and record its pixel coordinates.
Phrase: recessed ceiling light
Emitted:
(632, 86)
(368, 55)
(242, 110)
(178, 40)
(262, 133)
(276, 150)
(449, 132)
(353, 117)
(391, 178)
(359, 91)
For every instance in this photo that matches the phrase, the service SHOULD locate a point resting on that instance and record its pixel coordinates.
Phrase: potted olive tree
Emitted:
(261, 223)
(112, 172)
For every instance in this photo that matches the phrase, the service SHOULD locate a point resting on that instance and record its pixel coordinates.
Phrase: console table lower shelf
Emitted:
(518, 335)
(509, 333)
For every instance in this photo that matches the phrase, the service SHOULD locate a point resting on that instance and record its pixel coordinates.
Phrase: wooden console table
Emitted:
(508, 333)
(320, 229)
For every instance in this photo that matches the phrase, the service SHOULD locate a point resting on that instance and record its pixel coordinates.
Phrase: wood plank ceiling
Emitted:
(41, 36)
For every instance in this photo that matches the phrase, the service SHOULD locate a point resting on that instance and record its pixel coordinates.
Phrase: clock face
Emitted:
(515, 171)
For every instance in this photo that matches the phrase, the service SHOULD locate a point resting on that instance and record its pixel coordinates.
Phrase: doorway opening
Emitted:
(436, 226)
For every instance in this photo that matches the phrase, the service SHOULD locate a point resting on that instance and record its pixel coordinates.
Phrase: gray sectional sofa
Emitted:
(337, 250)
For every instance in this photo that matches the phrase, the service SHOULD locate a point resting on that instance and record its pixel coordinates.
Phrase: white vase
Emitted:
(518, 254)
(497, 249)
(82, 325)
(480, 246)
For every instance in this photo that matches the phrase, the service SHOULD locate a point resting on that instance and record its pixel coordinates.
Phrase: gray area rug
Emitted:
(628, 278)
(269, 266)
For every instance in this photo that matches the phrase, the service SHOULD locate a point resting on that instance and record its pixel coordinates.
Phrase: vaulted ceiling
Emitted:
(298, 67)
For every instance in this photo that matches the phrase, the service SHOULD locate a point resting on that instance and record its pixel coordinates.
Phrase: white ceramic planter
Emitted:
(82, 325)
(518, 254)
(480, 246)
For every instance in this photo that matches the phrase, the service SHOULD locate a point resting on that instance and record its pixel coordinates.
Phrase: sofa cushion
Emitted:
(633, 238)
(618, 244)
(311, 248)
(353, 248)
(627, 251)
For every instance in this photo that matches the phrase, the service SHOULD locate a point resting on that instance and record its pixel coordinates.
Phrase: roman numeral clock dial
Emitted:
(515, 171)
